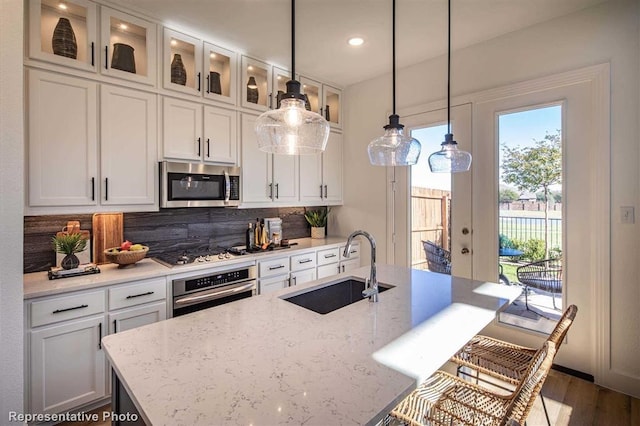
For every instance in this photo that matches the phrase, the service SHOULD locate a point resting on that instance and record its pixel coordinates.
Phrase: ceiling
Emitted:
(261, 28)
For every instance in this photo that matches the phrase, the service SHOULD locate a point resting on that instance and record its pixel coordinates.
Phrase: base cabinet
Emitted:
(301, 277)
(68, 367)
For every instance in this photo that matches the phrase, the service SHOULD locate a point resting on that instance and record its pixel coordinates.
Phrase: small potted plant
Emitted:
(69, 244)
(318, 221)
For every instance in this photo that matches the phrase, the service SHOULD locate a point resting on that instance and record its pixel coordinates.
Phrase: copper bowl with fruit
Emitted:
(127, 254)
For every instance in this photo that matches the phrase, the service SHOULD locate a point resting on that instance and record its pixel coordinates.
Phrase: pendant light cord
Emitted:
(393, 52)
(449, 70)
(293, 39)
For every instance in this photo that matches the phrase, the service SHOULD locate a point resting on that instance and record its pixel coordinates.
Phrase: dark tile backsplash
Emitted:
(167, 230)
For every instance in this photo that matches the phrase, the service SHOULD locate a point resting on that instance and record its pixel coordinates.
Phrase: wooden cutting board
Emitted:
(107, 233)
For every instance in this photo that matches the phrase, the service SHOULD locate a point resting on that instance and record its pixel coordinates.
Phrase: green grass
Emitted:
(509, 270)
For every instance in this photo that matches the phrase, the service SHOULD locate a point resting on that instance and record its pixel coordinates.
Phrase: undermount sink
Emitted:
(334, 296)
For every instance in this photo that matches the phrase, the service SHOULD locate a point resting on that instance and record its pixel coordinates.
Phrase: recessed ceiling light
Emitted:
(212, 55)
(174, 42)
(123, 26)
(356, 41)
(250, 68)
(62, 6)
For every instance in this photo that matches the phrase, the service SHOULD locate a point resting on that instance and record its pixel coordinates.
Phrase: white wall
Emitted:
(605, 33)
(11, 202)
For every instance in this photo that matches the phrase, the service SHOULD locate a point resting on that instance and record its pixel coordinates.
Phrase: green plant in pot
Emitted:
(318, 221)
(69, 245)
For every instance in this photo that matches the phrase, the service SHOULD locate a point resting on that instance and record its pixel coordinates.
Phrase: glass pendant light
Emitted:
(449, 159)
(394, 148)
(292, 129)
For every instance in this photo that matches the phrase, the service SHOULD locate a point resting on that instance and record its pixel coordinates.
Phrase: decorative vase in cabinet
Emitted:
(63, 41)
(252, 90)
(123, 58)
(178, 71)
(214, 83)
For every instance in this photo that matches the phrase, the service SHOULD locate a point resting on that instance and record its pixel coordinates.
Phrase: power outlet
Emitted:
(627, 214)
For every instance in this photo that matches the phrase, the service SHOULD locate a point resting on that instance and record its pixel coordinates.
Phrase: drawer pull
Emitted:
(100, 336)
(271, 268)
(327, 256)
(57, 311)
(305, 261)
(141, 294)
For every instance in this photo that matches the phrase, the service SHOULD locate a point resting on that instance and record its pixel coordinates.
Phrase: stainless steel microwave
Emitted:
(198, 185)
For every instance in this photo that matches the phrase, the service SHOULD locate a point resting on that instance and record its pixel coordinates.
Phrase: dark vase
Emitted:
(279, 98)
(214, 82)
(252, 91)
(64, 40)
(123, 58)
(70, 261)
(327, 114)
(307, 104)
(178, 72)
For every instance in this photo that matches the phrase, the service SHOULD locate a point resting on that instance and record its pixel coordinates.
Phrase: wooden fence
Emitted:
(430, 213)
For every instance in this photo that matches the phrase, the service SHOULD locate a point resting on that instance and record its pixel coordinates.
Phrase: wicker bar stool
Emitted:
(505, 361)
(444, 399)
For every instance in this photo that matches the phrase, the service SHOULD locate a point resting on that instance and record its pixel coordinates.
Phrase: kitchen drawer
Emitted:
(328, 256)
(137, 294)
(303, 261)
(270, 285)
(353, 253)
(268, 268)
(67, 307)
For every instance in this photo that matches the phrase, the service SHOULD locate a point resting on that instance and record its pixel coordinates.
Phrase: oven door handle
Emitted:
(214, 295)
(227, 187)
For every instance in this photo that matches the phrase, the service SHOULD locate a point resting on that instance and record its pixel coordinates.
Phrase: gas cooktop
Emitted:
(173, 259)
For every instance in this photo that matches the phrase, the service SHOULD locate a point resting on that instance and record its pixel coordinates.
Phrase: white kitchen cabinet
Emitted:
(45, 15)
(221, 74)
(62, 146)
(349, 265)
(273, 274)
(128, 47)
(353, 261)
(128, 144)
(269, 285)
(127, 319)
(328, 262)
(192, 131)
(266, 178)
(66, 364)
(324, 99)
(301, 277)
(328, 270)
(321, 174)
(256, 83)
(182, 65)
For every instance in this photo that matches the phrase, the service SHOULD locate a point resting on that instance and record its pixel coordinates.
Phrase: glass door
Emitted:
(182, 62)
(220, 74)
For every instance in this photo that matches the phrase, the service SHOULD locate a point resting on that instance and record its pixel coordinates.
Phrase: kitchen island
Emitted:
(264, 360)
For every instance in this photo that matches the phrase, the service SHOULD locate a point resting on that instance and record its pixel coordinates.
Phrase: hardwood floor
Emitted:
(570, 402)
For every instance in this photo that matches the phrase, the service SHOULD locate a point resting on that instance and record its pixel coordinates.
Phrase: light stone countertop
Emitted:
(37, 284)
(265, 361)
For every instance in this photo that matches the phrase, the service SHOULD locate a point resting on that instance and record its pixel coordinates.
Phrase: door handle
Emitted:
(465, 231)
(93, 54)
(199, 143)
(199, 81)
(106, 189)
(277, 190)
(106, 57)
(208, 150)
(464, 250)
(208, 84)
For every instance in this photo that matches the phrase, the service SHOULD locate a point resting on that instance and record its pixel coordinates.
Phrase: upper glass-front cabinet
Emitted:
(256, 84)
(220, 69)
(63, 32)
(182, 62)
(313, 92)
(128, 47)
(324, 99)
(280, 78)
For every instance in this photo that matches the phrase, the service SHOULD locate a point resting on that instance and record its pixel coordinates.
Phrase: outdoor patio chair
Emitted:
(438, 259)
(444, 399)
(506, 361)
(545, 275)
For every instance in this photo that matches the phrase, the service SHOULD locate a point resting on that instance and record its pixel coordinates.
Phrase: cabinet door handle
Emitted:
(93, 54)
(325, 191)
(199, 81)
(271, 268)
(115, 326)
(57, 311)
(99, 335)
(138, 295)
(305, 261)
(93, 189)
(271, 191)
(270, 106)
(342, 268)
(320, 191)
(199, 143)
(208, 150)
(329, 256)
(106, 189)
(208, 84)
(294, 281)
(321, 111)
(106, 57)
(277, 190)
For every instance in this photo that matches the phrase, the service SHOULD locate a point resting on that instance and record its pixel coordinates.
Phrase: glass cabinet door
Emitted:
(332, 106)
(182, 62)
(220, 71)
(63, 32)
(313, 91)
(128, 47)
(256, 84)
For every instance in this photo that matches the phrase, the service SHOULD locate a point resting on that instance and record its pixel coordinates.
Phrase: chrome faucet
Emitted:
(371, 290)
